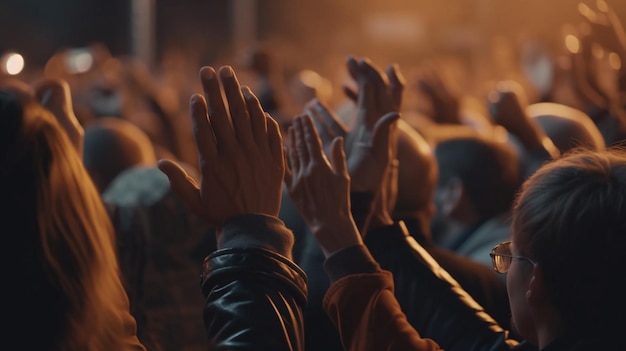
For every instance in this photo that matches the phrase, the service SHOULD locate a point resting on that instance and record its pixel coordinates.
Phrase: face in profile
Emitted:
(517, 282)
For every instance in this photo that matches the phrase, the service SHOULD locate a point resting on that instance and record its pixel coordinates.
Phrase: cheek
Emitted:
(517, 285)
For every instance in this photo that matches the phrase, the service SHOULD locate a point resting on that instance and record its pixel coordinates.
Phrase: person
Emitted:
(160, 243)
(371, 318)
(113, 145)
(64, 284)
(558, 301)
(478, 179)
(254, 292)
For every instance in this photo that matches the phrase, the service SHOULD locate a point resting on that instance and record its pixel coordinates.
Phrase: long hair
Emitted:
(67, 287)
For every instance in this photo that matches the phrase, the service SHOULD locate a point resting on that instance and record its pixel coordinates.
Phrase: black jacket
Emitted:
(254, 292)
(434, 302)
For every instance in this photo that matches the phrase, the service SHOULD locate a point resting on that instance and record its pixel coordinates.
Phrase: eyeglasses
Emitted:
(501, 257)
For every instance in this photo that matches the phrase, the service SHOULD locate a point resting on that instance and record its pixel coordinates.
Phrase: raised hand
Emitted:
(55, 95)
(506, 108)
(319, 188)
(239, 149)
(445, 104)
(371, 145)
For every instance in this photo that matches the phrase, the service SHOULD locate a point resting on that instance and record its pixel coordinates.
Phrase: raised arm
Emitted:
(360, 300)
(254, 292)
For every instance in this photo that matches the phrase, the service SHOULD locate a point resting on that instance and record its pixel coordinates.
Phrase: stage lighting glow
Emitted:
(13, 63)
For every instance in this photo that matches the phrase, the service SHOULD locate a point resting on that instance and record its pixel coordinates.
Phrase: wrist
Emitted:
(336, 236)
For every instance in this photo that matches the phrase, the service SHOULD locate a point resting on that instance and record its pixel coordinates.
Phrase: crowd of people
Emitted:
(375, 224)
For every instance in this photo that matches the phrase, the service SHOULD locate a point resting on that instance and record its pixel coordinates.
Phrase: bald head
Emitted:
(417, 172)
(113, 145)
(567, 127)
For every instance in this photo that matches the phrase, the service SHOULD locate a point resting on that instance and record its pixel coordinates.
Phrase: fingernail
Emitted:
(227, 71)
(207, 72)
(247, 93)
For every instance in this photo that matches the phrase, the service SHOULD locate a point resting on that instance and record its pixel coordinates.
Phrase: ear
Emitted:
(537, 292)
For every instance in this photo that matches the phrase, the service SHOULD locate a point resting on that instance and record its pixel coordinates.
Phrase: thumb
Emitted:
(382, 130)
(185, 187)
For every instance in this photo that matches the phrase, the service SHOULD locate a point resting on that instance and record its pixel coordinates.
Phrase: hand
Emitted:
(371, 145)
(368, 157)
(319, 188)
(55, 95)
(240, 153)
(507, 110)
(445, 104)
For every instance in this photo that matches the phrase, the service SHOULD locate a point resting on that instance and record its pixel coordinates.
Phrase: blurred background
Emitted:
(301, 43)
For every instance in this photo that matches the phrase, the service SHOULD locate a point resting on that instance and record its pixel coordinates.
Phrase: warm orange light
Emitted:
(572, 43)
(614, 61)
(597, 50)
(602, 5)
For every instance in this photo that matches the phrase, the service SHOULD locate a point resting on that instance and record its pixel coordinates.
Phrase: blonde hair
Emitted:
(75, 235)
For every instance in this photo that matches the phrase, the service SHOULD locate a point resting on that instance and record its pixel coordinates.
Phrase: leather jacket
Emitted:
(434, 302)
(254, 292)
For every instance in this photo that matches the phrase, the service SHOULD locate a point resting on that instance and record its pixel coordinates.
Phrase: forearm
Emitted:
(361, 303)
(254, 294)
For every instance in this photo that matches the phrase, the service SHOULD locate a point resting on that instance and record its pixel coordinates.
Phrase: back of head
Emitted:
(417, 172)
(567, 127)
(113, 145)
(63, 278)
(487, 168)
(570, 219)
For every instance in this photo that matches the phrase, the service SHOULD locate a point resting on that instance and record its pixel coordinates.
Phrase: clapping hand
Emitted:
(320, 188)
(239, 149)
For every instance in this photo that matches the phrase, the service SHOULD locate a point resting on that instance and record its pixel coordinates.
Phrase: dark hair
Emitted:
(571, 219)
(488, 169)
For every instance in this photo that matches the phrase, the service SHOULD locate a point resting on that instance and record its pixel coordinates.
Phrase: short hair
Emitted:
(488, 168)
(113, 145)
(570, 217)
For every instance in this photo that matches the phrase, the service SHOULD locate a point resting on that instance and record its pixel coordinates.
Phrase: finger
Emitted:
(288, 175)
(324, 131)
(330, 120)
(202, 130)
(237, 106)
(224, 133)
(258, 121)
(350, 93)
(275, 140)
(313, 142)
(185, 187)
(372, 71)
(382, 131)
(294, 161)
(367, 102)
(338, 157)
(397, 82)
(353, 67)
(300, 143)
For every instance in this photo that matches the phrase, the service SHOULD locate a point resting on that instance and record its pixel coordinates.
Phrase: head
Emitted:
(113, 145)
(478, 178)
(569, 222)
(567, 127)
(64, 280)
(417, 174)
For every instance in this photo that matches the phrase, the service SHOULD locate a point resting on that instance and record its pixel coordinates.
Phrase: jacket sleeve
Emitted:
(434, 302)
(361, 304)
(254, 294)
